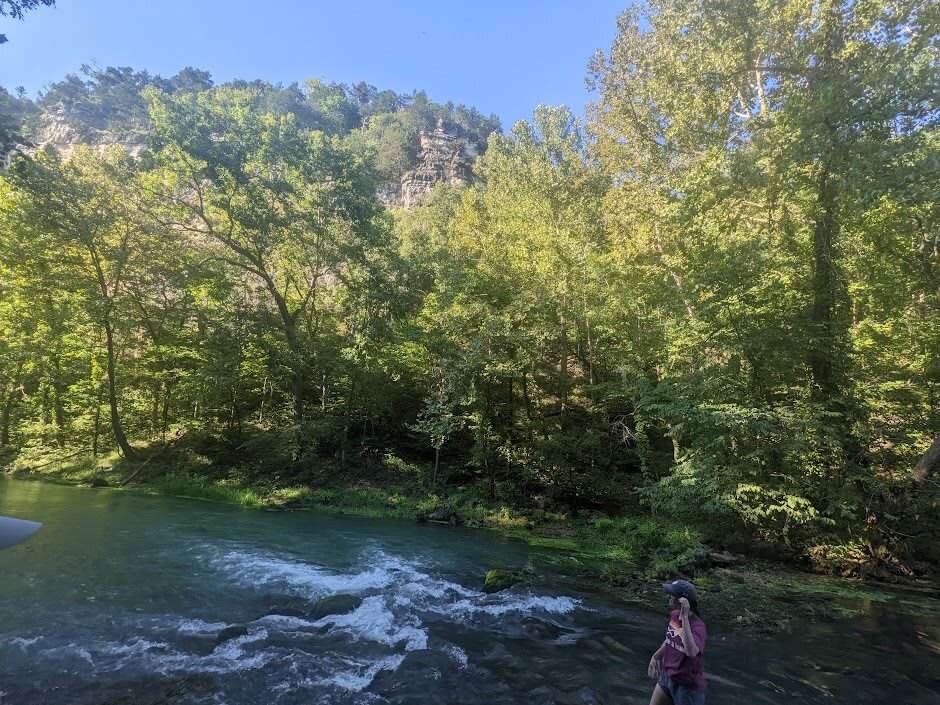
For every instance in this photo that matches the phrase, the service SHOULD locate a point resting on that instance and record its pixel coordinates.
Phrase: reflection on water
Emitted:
(129, 599)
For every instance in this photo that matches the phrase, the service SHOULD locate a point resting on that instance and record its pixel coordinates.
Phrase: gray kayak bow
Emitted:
(12, 531)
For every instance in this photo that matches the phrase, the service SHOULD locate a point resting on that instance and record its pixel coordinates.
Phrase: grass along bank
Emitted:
(626, 555)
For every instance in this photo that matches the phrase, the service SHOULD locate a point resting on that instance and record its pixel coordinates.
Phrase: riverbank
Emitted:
(626, 556)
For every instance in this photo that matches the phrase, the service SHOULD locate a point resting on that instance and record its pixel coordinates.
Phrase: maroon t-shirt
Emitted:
(683, 669)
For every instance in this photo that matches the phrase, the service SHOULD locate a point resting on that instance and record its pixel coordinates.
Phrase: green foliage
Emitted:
(662, 548)
(197, 487)
(717, 303)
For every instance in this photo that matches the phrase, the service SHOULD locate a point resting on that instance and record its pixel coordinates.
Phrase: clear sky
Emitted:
(502, 57)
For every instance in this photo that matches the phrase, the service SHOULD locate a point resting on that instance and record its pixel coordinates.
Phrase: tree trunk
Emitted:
(165, 413)
(5, 420)
(491, 473)
(347, 415)
(293, 344)
(297, 391)
(96, 431)
(827, 351)
(118, 430)
(824, 354)
(44, 414)
(437, 462)
(154, 410)
(928, 464)
(563, 396)
(58, 406)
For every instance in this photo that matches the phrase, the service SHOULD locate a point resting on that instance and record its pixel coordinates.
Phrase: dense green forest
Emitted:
(716, 299)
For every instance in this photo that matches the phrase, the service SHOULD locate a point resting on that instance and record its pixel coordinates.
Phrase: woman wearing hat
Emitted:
(677, 664)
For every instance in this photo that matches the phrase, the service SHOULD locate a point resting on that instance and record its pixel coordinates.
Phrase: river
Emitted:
(136, 600)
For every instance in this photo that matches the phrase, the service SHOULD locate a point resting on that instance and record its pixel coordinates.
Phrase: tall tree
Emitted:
(77, 210)
(775, 120)
(291, 208)
(517, 301)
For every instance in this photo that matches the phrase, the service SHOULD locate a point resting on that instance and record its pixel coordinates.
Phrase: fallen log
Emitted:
(134, 474)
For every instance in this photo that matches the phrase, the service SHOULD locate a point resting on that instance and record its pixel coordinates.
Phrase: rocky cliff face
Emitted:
(57, 132)
(441, 157)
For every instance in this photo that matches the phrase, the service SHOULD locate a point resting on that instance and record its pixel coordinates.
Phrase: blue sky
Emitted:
(502, 57)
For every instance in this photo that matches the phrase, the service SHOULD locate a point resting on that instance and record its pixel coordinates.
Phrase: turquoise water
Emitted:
(123, 598)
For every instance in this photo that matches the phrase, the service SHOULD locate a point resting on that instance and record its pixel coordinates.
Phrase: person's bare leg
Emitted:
(660, 697)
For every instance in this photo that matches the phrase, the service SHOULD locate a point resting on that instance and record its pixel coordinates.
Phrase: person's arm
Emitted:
(656, 661)
(692, 647)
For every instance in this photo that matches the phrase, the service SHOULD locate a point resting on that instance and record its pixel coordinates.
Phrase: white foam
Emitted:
(373, 621)
(283, 621)
(138, 645)
(253, 568)
(398, 599)
(228, 657)
(23, 642)
(457, 654)
(362, 675)
(198, 626)
(72, 648)
(232, 649)
(513, 603)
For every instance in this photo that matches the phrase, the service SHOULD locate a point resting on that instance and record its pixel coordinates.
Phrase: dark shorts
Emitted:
(680, 694)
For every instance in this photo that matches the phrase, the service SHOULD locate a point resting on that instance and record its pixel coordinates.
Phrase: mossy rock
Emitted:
(497, 580)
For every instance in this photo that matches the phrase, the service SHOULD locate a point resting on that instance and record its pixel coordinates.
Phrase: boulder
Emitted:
(497, 580)
(229, 633)
(722, 559)
(545, 629)
(289, 607)
(198, 644)
(440, 515)
(335, 604)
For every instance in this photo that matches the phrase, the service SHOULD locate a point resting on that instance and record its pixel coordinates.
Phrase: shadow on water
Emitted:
(146, 600)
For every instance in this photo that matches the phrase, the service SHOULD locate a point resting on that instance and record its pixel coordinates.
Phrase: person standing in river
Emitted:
(677, 664)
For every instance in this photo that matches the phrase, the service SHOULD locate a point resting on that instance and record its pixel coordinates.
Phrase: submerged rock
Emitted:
(287, 606)
(422, 677)
(541, 628)
(154, 691)
(230, 633)
(198, 644)
(335, 604)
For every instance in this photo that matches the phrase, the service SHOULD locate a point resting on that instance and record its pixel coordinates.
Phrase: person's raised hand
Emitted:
(683, 607)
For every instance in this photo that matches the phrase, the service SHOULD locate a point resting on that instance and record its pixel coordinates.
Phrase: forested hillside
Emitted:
(717, 300)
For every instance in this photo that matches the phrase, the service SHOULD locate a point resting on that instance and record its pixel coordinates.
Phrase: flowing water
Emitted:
(137, 600)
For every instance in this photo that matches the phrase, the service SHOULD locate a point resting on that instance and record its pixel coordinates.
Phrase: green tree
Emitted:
(294, 210)
(77, 211)
(753, 145)
(516, 303)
